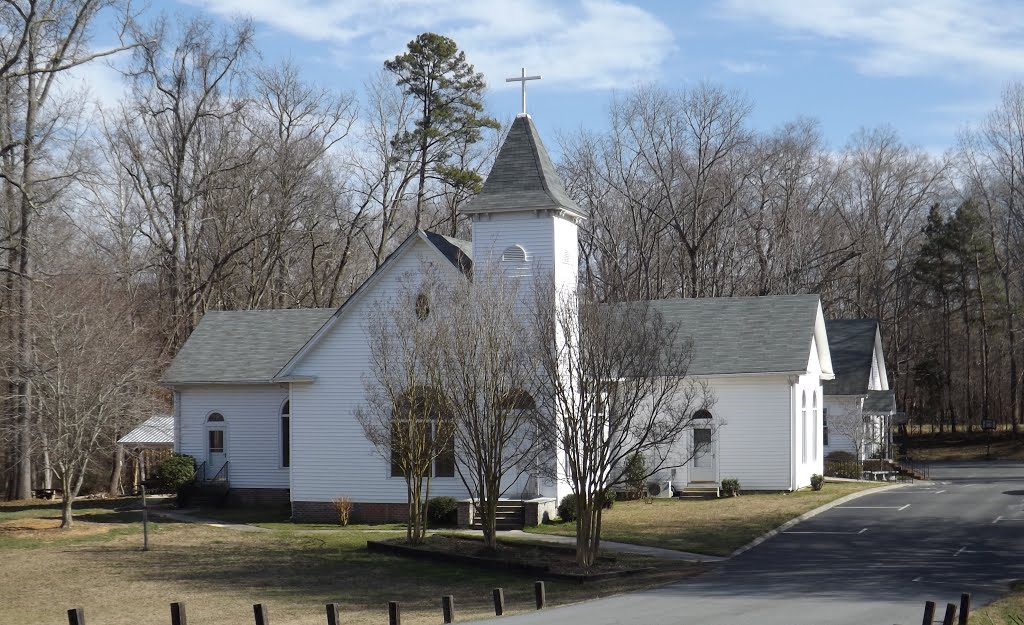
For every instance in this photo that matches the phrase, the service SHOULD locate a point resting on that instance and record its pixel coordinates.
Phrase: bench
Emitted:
(46, 493)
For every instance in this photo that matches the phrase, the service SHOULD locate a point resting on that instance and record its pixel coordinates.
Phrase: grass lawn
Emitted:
(713, 526)
(1009, 610)
(280, 520)
(219, 573)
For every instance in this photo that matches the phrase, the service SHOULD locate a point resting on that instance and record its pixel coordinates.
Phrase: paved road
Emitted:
(872, 561)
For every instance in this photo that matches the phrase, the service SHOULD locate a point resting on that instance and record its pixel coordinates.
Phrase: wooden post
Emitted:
(539, 594)
(332, 614)
(929, 613)
(394, 613)
(965, 608)
(950, 616)
(448, 608)
(76, 616)
(178, 614)
(260, 612)
(499, 602)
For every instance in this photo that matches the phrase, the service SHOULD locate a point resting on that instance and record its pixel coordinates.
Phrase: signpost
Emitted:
(989, 425)
(145, 522)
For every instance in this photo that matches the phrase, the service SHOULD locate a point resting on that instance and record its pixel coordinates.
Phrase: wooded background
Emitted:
(220, 182)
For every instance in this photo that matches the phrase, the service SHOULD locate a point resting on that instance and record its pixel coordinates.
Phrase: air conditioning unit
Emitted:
(661, 490)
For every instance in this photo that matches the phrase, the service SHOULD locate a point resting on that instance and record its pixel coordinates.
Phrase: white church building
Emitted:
(265, 400)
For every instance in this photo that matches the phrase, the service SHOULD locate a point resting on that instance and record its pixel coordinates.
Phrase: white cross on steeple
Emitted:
(522, 78)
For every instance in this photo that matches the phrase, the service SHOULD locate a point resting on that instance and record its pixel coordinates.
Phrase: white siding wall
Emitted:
(252, 441)
(839, 405)
(753, 417)
(332, 456)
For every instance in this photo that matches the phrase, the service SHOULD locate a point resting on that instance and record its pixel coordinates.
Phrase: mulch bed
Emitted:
(553, 562)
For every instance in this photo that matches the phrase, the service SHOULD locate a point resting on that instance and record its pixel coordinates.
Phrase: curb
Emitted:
(812, 513)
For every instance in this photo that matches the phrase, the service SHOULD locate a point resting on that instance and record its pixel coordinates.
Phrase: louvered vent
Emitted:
(514, 254)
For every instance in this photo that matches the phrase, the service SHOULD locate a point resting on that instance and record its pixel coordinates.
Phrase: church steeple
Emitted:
(523, 177)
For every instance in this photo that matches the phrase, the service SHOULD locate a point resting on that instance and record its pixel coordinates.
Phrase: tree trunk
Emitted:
(114, 488)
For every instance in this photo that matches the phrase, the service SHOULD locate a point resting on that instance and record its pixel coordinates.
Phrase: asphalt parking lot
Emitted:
(873, 560)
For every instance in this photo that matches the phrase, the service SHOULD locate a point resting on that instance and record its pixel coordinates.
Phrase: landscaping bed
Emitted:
(546, 561)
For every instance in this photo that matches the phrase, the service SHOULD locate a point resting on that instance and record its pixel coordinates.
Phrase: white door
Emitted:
(216, 452)
(703, 469)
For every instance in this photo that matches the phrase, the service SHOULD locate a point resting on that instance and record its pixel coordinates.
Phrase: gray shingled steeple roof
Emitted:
(523, 177)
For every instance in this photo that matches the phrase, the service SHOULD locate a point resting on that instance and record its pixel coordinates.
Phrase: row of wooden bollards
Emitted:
(950, 617)
(76, 616)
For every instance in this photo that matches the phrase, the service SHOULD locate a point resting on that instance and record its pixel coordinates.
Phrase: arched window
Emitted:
(516, 399)
(215, 433)
(422, 306)
(814, 424)
(703, 414)
(803, 446)
(421, 423)
(286, 434)
(215, 417)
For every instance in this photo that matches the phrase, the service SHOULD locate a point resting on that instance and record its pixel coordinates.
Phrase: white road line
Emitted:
(904, 508)
(939, 492)
(998, 519)
(871, 507)
(843, 533)
(959, 551)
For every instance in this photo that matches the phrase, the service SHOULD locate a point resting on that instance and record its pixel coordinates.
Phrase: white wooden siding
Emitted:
(252, 415)
(335, 458)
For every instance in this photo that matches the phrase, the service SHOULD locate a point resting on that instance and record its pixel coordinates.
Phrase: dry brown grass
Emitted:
(220, 573)
(965, 446)
(1009, 610)
(715, 526)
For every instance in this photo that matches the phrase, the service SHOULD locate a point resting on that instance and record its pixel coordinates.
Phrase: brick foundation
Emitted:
(323, 512)
(259, 497)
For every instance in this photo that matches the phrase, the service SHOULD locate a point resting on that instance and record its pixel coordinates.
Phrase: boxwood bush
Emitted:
(843, 464)
(817, 481)
(442, 512)
(731, 487)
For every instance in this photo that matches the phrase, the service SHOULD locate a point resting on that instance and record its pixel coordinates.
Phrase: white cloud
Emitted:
(579, 44)
(744, 67)
(98, 79)
(906, 38)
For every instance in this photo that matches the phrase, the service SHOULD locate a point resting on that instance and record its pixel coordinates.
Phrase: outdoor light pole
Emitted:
(989, 425)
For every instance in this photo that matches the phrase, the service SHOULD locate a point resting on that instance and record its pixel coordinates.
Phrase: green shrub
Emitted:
(635, 475)
(176, 474)
(817, 481)
(731, 487)
(567, 508)
(442, 511)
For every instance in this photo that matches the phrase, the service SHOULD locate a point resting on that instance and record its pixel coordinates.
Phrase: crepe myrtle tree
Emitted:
(486, 365)
(404, 415)
(612, 382)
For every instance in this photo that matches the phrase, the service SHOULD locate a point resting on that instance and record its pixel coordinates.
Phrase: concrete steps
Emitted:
(700, 490)
(511, 515)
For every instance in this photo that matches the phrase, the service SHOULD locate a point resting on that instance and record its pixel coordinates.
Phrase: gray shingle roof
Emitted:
(457, 251)
(880, 403)
(745, 334)
(157, 430)
(243, 345)
(523, 176)
(852, 344)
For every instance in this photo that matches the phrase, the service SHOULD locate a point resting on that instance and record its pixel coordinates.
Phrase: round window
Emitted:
(422, 306)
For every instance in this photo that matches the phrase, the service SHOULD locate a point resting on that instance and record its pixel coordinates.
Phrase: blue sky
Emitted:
(926, 67)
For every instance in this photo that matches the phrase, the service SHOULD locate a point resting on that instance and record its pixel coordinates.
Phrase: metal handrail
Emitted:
(200, 473)
(223, 469)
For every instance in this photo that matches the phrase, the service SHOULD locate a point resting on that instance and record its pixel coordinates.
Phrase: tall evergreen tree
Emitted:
(449, 92)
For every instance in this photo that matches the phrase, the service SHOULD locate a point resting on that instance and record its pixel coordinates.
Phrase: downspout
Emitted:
(793, 382)
(176, 414)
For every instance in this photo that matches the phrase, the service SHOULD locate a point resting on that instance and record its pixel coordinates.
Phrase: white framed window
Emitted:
(286, 434)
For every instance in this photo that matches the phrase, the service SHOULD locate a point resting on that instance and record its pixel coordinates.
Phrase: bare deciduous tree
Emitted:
(612, 382)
